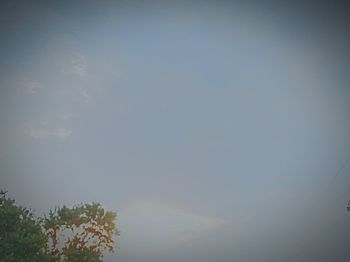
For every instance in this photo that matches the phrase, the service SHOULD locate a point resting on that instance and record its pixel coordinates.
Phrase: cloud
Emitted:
(84, 83)
(32, 87)
(76, 67)
(85, 94)
(43, 131)
(66, 116)
(79, 69)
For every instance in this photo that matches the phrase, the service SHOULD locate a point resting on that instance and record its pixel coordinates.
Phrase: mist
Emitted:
(218, 130)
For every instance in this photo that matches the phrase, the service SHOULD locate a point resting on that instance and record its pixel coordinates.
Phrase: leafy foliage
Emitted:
(21, 237)
(81, 233)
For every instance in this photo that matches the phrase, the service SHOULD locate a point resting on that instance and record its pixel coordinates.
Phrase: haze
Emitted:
(218, 131)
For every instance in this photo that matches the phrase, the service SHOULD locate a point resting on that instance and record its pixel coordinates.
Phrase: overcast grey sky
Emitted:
(215, 129)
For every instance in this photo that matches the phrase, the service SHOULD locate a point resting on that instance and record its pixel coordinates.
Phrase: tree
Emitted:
(21, 237)
(81, 233)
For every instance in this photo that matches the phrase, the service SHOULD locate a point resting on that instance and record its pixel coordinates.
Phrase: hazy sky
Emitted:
(215, 129)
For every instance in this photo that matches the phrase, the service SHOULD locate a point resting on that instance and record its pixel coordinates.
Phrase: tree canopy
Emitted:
(84, 231)
(21, 237)
(81, 233)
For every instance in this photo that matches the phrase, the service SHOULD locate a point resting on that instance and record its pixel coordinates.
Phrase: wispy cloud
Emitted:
(65, 116)
(31, 87)
(44, 131)
(70, 91)
(85, 94)
(77, 66)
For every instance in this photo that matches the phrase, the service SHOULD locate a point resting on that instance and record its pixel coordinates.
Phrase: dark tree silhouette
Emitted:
(21, 237)
(81, 233)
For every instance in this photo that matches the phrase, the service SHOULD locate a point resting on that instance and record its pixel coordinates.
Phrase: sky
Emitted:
(218, 131)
